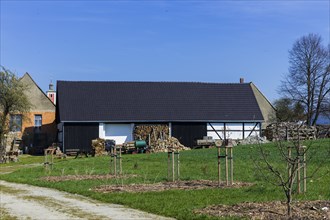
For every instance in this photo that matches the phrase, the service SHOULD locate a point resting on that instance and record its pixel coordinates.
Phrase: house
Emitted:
(191, 110)
(37, 128)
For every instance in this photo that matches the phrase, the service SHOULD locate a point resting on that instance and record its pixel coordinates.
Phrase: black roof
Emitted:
(79, 101)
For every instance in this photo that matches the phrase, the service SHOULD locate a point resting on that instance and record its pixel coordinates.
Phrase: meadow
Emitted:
(199, 164)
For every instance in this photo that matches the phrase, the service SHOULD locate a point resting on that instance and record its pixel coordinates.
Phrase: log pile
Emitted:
(128, 147)
(11, 149)
(9, 140)
(290, 131)
(323, 131)
(151, 133)
(59, 153)
(98, 146)
(168, 144)
(253, 140)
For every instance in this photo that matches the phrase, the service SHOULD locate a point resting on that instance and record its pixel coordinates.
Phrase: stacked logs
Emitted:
(151, 133)
(98, 146)
(323, 131)
(59, 153)
(168, 144)
(8, 141)
(290, 131)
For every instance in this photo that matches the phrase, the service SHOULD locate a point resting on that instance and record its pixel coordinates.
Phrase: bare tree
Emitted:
(286, 167)
(12, 101)
(308, 81)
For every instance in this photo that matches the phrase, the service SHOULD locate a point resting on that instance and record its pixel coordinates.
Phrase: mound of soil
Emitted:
(271, 210)
(181, 185)
(83, 177)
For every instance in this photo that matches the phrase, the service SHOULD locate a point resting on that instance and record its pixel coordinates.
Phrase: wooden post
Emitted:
(302, 165)
(305, 171)
(111, 156)
(110, 164)
(115, 161)
(228, 155)
(226, 159)
(178, 165)
(168, 165)
(46, 163)
(231, 166)
(173, 167)
(49, 157)
(120, 162)
(298, 171)
(149, 141)
(46, 158)
(219, 167)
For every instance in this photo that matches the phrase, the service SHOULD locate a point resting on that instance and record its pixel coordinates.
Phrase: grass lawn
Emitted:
(195, 164)
(24, 161)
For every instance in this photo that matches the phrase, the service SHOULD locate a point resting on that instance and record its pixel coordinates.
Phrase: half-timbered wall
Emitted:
(233, 130)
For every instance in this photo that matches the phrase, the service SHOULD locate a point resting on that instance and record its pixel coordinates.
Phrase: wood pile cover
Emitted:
(98, 146)
(290, 131)
(152, 131)
(169, 144)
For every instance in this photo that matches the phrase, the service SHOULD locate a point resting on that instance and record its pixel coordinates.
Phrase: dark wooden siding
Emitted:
(80, 135)
(187, 132)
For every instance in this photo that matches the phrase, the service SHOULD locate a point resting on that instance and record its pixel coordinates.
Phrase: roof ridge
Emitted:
(176, 82)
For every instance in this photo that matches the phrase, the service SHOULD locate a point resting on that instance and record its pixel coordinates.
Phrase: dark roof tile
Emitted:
(155, 101)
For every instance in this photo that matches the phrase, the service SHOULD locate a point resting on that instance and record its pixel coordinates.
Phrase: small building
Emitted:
(37, 128)
(191, 110)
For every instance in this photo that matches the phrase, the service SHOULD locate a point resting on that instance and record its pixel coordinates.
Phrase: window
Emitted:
(37, 120)
(15, 123)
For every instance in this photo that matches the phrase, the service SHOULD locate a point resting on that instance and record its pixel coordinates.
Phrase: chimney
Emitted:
(241, 80)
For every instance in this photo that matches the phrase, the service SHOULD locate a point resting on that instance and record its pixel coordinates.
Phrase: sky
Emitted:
(192, 41)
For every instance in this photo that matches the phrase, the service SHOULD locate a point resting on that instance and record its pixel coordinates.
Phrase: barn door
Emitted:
(187, 133)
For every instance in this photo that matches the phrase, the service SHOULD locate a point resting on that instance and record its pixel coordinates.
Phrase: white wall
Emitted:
(119, 132)
(233, 130)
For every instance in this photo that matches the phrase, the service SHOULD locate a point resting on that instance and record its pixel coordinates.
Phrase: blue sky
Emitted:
(204, 41)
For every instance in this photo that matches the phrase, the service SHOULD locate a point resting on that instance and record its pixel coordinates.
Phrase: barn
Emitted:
(87, 110)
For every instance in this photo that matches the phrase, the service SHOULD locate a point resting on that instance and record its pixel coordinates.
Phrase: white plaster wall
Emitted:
(233, 130)
(119, 132)
(216, 126)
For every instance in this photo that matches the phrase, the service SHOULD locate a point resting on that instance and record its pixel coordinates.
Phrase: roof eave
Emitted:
(163, 121)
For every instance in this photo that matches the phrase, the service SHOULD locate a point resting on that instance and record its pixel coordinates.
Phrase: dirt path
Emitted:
(20, 201)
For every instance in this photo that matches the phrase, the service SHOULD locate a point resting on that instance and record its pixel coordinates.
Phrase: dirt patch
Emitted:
(270, 210)
(84, 177)
(181, 185)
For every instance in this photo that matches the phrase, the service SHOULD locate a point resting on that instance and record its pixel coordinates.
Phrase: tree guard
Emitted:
(229, 170)
(173, 165)
(116, 160)
(49, 157)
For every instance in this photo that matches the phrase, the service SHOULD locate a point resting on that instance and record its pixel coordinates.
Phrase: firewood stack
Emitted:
(290, 131)
(98, 146)
(151, 133)
(59, 153)
(168, 144)
(323, 131)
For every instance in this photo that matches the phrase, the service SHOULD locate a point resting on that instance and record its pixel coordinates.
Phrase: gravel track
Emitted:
(22, 201)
